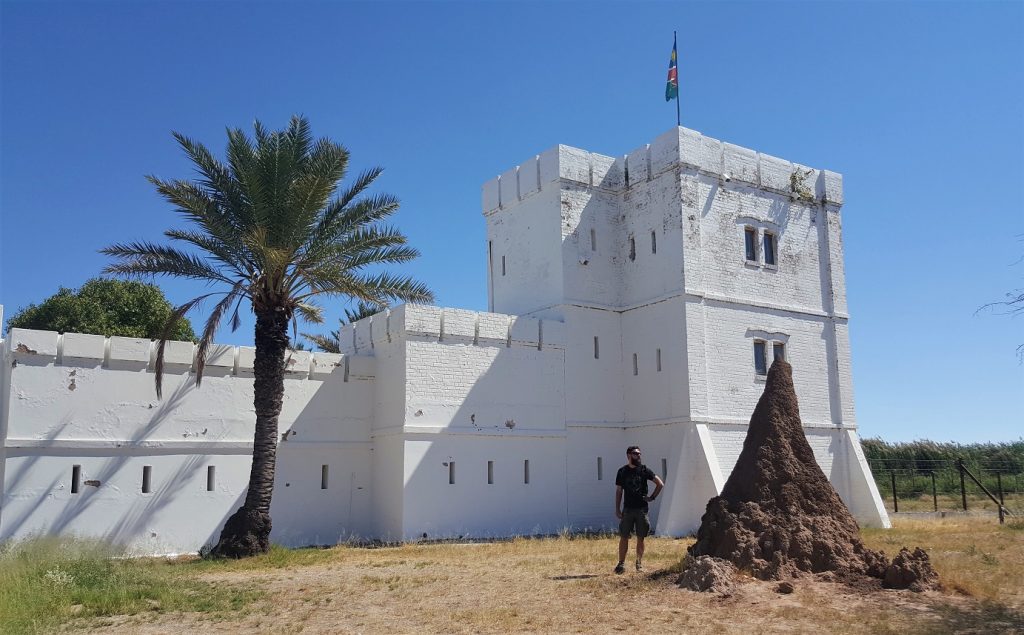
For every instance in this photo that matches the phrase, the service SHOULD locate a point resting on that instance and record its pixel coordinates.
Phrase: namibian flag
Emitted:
(672, 86)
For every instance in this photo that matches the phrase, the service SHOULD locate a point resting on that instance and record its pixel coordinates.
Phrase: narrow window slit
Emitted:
(664, 468)
(490, 472)
(593, 240)
(211, 478)
(750, 243)
(526, 471)
(636, 367)
(451, 472)
(760, 363)
(658, 358)
(597, 349)
(323, 477)
(778, 351)
(769, 248)
(654, 242)
(147, 479)
(600, 469)
(632, 248)
(76, 478)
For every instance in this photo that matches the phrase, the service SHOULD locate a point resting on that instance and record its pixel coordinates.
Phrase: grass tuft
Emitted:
(45, 582)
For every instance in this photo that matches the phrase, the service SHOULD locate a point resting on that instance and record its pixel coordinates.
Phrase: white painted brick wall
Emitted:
(418, 387)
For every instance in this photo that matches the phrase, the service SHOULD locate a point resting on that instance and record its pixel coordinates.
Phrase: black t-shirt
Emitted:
(633, 481)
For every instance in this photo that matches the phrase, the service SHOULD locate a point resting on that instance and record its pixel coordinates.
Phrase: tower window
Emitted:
(632, 248)
(76, 478)
(636, 367)
(760, 361)
(451, 472)
(600, 469)
(503, 265)
(779, 351)
(658, 357)
(654, 242)
(750, 242)
(597, 349)
(490, 472)
(526, 471)
(769, 248)
(211, 478)
(147, 479)
(593, 240)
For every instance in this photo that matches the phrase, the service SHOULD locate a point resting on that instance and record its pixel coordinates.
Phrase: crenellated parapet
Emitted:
(446, 325)
(40, 348)
(679, 148)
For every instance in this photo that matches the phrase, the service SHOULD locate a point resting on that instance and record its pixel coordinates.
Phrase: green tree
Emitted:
(104, 306)
(272, 229)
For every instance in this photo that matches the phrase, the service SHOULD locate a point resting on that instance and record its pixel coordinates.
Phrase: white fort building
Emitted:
(633, 300)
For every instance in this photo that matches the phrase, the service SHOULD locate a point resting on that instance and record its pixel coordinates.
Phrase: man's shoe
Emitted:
(620, 568)
(639, 568)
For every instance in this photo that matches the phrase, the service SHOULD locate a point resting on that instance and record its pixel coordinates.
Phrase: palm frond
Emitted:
(382, 288)
(217, 179)
(199, 207)
(326, 343)
(217, 249)
(176, 316)
(346, 196)
(210, 330)
(363, 310)
(310, 312)
(142, 259)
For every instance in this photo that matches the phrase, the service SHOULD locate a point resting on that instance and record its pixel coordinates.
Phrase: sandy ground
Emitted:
(554, 586)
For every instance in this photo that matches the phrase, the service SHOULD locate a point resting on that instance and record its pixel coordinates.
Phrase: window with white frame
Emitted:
(778, 351)
(768, 249)
(765, 346)
(760, 358)
(750, 243)
(760, 245)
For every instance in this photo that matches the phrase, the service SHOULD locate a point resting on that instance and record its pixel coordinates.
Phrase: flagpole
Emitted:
(678, 120)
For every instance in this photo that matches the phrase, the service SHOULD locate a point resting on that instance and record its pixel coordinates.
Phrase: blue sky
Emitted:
(919, 105)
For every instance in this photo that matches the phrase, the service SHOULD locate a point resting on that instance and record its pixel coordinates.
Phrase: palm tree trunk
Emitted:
(247, 532)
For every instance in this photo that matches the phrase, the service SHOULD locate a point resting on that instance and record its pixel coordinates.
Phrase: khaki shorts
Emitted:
(634, 519)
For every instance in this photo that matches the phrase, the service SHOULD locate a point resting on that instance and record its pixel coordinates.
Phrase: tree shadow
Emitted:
(986, 617)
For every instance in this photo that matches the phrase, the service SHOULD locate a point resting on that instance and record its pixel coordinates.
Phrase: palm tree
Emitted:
(271, 228)
(331, 343)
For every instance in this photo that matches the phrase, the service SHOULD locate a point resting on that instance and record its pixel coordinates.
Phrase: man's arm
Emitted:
(618, 502)
(658, 485)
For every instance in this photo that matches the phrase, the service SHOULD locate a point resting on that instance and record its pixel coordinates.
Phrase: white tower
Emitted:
(681, 270)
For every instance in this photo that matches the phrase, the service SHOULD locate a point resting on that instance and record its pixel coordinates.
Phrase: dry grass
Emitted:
(565, 585)
(974, 555)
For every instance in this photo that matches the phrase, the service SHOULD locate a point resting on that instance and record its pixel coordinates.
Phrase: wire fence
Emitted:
(937, 485)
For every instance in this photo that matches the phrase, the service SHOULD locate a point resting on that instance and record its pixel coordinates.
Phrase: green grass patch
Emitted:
(47, 582)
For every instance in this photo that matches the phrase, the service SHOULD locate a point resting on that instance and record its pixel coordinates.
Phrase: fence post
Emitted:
(963, 487)
(999, 484)
(895, 501)
(935, 494)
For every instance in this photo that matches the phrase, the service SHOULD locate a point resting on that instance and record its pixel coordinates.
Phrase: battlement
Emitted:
(677, 148)
(420, 321)
(38, 348)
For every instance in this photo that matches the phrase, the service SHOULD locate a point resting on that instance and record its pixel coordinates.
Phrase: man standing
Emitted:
(631, 479)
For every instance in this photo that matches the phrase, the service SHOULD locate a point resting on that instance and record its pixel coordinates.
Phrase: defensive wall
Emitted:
(624, 309)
